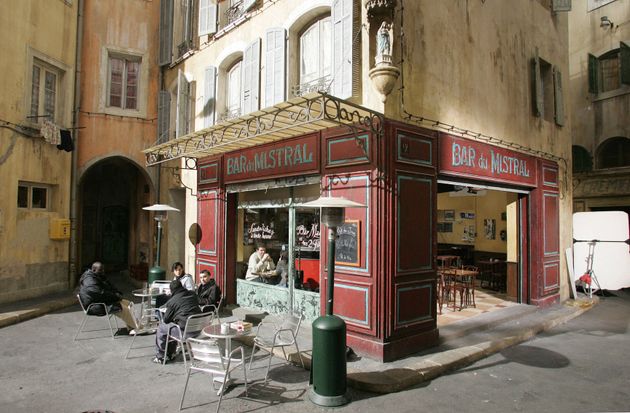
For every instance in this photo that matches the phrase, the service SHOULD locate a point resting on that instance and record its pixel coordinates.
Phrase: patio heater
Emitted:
(161, 215)
(328, 368)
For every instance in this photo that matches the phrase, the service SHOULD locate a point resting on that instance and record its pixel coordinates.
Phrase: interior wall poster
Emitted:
(490, 228)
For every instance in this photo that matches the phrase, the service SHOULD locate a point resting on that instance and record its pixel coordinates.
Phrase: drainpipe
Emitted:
(72, 265)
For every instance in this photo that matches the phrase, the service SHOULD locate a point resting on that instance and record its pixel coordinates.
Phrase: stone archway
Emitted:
(113, 229)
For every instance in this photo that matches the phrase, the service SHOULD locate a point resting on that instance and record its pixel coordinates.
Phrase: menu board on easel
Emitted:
(348, 244)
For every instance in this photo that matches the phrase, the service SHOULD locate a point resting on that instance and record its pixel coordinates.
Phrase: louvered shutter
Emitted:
(342, 48)
(166, 32)
(248, 4)
(537, 87)
(188, 24)
(251, 78)
(593, 73)
(275, 74)
(209, 96)
(557, 97)
(164, 117)
(183, 99)
(207, 17)
(624, 62)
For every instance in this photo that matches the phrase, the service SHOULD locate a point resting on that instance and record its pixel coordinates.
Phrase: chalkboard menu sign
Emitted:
(348, 244)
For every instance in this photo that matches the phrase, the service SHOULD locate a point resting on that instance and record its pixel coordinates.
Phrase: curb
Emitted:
(397, 379)
(19, 315)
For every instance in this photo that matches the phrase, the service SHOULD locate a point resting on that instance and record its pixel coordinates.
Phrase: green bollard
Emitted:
(328, 366)
(156, 273)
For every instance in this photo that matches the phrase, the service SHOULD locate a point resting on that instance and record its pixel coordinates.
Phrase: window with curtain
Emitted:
(44, 92)
(316, 52)
(123, 82)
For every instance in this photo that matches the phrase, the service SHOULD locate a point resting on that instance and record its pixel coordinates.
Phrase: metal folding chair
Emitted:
(86, 315)
(194, 325)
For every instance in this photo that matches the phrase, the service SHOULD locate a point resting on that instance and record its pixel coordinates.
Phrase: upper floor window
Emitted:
(233, 94)
(614, 153)
(582, 161)
(123, 82)
(33, 196)
(547, 99)
(609, 71)
(315, 53)
(44, 91)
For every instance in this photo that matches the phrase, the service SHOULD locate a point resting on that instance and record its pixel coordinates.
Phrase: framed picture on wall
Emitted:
(449, 215)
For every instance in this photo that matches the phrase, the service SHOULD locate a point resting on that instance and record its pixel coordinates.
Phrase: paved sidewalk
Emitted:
(461, 343)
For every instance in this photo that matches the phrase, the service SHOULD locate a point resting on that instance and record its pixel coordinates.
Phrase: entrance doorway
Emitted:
(112, 227)
(478, 227)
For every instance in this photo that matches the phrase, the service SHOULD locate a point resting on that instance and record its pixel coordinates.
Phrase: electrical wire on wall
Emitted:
(467, 133)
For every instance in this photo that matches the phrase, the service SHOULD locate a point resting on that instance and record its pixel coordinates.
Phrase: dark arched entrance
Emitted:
(113, 229)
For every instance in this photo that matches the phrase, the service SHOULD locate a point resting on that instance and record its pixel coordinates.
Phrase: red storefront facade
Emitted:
(388, 298)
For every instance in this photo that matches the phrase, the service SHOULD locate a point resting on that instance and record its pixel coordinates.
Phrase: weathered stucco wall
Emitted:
(31, 263)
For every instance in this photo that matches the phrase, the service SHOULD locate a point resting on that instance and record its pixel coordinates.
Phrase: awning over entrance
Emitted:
(298, 116)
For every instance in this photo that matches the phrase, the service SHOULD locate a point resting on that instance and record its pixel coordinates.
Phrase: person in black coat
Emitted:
(181, 305)
(94, 287)
(208, 291)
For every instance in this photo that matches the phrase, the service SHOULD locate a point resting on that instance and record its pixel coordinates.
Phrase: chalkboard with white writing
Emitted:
(348, 244)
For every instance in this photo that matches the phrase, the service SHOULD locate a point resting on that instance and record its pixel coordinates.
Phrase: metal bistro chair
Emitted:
(211, 308)
(86, 315)
(279, 335)
(194, 324)
(207, 357)
(149, 325)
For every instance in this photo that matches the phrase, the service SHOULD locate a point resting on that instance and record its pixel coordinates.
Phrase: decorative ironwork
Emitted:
(321, 84)
(230, 114)
(234, 12)
(295, 117)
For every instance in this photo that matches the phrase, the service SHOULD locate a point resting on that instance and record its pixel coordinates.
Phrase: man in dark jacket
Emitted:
(208, 291)
(95, 288)
(182, 304)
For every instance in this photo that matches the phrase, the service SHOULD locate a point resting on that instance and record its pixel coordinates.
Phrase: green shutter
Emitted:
(164, 108)
(166, 32)
(593, 73)
(558, 99)
(538, 101)
(624, 62)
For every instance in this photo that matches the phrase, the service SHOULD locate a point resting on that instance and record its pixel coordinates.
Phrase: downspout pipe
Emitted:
(72, 265)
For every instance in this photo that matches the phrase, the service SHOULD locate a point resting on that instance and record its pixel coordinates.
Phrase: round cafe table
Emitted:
(146, 307)
(214, 331)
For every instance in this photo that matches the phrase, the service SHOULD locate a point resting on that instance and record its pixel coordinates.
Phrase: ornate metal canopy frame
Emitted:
(298, 116)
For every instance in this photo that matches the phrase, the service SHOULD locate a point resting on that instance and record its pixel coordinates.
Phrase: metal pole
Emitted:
(159, 241)
(332, 232)
(291, 252)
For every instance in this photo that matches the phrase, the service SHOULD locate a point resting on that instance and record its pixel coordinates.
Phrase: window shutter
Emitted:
(248, 4)
(164, 108)
(275, 77)
(558, 99)
(593, 73)
(183, 99)
(537, 87)
(166, 32)
(209, 96)
(188, 26)
(560, 5)
(624, 62)
(207, 17)
(342, 48)
(251, 78)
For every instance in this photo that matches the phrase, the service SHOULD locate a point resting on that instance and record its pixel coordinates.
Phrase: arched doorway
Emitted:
(113, 228)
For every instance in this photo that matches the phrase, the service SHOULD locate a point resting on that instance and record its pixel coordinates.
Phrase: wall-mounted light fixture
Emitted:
(606, 22)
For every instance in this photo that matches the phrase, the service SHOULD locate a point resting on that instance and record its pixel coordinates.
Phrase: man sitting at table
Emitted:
(259, 262)
(208, 291)
(182, 304)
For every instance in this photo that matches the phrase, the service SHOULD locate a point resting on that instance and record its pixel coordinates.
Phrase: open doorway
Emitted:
(478, 228)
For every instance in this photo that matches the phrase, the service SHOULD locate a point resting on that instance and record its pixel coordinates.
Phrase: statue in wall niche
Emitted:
(384, 44)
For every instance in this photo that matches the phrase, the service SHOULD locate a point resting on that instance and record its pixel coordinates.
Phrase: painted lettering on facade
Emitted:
(284, 157)
(477, 159)
(280, 159)
(260, 231)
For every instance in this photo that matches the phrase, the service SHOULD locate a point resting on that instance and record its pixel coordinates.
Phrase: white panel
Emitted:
(342, 48)
(275, 77)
